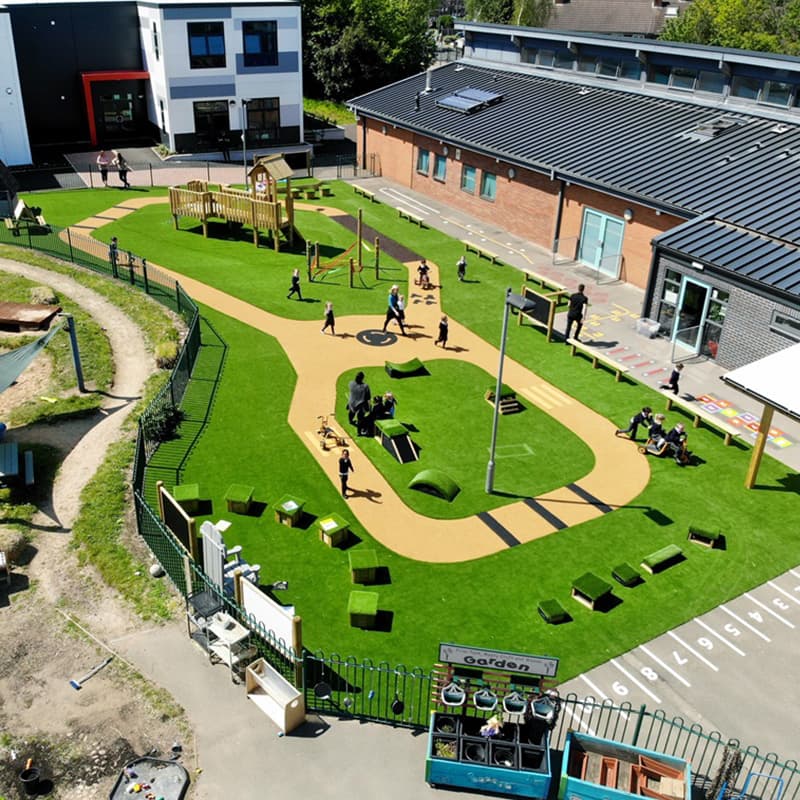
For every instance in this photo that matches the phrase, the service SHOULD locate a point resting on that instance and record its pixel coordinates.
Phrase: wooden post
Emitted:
(758, 447)
(359, 226)
(297, 648)
(316, 255)
(377, 258)
(352, 269)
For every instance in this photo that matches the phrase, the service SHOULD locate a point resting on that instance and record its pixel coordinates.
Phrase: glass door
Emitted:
(601, 242)
(690, 319)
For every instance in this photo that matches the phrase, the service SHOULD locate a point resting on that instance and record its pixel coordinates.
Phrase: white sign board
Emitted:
(276, 618)
(498, 659)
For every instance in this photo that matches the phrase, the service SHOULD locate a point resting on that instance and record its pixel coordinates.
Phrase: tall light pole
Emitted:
(243, 116)
(511, 301)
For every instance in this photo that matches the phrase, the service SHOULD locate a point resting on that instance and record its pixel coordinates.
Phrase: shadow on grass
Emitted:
(383, 621)
(789, 483)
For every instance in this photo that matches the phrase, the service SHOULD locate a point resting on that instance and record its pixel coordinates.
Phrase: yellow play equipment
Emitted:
(258, 206)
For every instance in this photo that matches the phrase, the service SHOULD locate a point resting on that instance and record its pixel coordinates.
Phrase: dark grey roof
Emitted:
(626, 143)
(757, 259)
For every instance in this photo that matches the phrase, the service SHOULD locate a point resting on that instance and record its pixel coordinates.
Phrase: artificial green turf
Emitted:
(451, 423)
(489, 602)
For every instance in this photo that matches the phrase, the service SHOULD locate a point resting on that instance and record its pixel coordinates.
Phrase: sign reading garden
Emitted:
(498, 659)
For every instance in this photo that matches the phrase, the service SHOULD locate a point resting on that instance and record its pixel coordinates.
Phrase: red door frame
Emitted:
(88, 78)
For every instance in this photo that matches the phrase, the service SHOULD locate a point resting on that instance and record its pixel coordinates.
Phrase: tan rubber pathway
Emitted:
(620, 473)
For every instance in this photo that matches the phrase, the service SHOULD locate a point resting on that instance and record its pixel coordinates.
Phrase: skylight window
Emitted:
(469, 100)
(712, 128)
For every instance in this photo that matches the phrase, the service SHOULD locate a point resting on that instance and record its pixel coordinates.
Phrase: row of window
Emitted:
(262, 121)
(207, 44)
(684, 78)
(469, 175)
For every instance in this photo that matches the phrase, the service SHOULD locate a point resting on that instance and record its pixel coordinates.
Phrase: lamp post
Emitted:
(517, 301)
(243, 121)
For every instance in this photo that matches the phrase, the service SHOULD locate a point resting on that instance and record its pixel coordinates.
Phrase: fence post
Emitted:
(131, 277)
(178, 297)
(150, 170)
(638, 727)
(352, 270)
(377, 258)
(144, 276)
(208, 171)
(69, 242)
(91, 177)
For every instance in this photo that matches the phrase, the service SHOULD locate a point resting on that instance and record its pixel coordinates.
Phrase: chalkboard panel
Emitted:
(176, 519)
(543, 309)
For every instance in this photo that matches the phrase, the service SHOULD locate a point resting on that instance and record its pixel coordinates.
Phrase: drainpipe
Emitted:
(363, 122)
(559, 214)
(651, 283)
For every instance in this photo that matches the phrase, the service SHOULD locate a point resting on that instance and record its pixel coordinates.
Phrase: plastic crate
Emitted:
(647, 327)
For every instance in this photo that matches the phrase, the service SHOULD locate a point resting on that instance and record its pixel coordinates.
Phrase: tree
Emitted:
(532, 13)
(763, 25)
(355, 46)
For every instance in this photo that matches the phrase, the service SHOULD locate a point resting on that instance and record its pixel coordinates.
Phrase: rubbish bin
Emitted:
(30, 781)
(647, 327)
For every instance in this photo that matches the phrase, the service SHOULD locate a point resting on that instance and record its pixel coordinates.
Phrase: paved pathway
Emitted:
(411, 534)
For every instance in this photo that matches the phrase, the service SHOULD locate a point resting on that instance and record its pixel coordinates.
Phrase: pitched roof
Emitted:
(682, 156)
(611, 16)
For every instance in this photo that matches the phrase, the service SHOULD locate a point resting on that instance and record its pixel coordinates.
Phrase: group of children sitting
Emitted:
(659, 441)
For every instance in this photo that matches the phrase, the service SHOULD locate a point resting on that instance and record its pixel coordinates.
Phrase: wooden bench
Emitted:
(325, 190)
(704, 537)
(546, 283)
(29, 476)
(661, 558)
(598, 358)
(12, 225)
(482, 252)
(364, 193)
(712, 420)
(590, 590)
(403, 214)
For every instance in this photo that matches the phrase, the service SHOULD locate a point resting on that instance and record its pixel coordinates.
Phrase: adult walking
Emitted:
(113, 254)
(577, 302)
(393, 310)
(461, 268)
(358, 401)
(295, 287)
(121, 163)
(103, 161)
(330, 319)
(345, 468)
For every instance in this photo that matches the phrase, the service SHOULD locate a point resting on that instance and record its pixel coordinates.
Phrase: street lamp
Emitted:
(521, 304)
(242, 122)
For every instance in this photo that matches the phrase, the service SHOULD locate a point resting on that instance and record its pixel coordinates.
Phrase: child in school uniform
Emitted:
(442, 332)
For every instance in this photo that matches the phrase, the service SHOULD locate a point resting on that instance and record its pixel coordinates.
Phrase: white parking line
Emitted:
(580, 722)
(720, 637)
(633, 680)
(666, 667)
(795, 573)
(784, 592)
(408, 200)
(694, 652)
(769, 610)
(594, 688)
(756, 631)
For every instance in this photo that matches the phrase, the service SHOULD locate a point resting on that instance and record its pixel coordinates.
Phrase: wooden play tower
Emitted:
(260, 206)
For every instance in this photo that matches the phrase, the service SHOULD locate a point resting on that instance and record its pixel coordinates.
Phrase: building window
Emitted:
(423, 161)
(683, 78)
(565, 59)
(468, 176)
(669, 300)
(263, 119)
(439, 167)
(715, 317)
(488, 185)
(260, 43)
(155, 41)
(785, 325)
(710, 82)
(210, 119)
(777, 93)
(743, 86)
(206, 45)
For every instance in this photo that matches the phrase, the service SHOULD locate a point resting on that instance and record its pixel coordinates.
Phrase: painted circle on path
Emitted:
(375, 337)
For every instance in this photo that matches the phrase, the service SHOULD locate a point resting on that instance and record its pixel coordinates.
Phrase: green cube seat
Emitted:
(391, 427)
(662, 558)
(589, 589)
(704, 536)
(333, 529)
(187, 496)
(625, 574)
(363, 609)
(363, 565)
(239, 497)
(552, 611)
(289, 510)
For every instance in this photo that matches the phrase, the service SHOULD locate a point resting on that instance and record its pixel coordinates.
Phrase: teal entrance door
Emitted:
(601, 242)
(691, 316)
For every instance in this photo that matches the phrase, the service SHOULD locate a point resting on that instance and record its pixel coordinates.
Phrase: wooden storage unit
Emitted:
(275, 696)
(601, 769)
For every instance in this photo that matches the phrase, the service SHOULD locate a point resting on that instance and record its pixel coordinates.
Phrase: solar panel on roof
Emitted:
(463, 104)
(468, 100)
